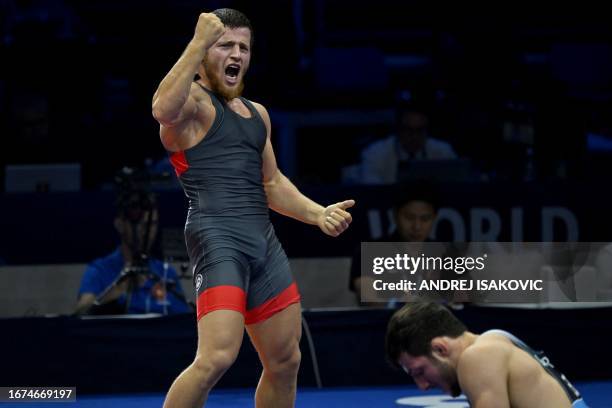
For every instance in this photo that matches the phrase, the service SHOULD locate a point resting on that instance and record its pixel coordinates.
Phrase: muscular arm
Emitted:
(483, 375)
(284, 197)
(172, 102)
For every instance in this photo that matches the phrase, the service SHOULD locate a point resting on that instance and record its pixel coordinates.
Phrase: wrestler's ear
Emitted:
(440, 347)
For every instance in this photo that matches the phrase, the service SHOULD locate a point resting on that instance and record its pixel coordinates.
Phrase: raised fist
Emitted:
(209, 29)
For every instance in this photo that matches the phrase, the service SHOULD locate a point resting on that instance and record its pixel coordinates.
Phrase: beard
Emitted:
(217, 85)
(449, 377)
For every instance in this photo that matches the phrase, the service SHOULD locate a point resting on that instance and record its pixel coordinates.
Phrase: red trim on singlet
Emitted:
(276, 304)
(179, 162)
(223, 297)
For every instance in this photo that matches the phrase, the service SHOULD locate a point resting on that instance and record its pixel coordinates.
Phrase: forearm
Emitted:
(86, 300)
(173, 91)
(285, 198)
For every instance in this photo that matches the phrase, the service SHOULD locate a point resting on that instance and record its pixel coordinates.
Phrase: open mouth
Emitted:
(232, 71)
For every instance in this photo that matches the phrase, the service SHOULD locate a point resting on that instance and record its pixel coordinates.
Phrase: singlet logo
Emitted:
(544, 361)
(198, 281)
(434, 401)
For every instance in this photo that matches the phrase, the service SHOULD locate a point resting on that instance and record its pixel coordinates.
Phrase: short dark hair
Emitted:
(416, 191)
(412, 328)
(234, 19)
(407, 101)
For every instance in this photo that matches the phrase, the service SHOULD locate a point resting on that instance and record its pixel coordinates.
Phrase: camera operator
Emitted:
(128, 280)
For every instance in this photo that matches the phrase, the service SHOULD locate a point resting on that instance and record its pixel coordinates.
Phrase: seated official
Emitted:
(383, 161)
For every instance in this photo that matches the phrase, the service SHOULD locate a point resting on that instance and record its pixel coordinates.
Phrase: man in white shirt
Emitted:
(381, 159)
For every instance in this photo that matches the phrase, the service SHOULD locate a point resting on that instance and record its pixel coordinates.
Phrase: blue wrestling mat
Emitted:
(596, 394)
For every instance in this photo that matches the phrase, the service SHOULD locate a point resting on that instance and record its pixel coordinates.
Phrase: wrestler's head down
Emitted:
(419, 340)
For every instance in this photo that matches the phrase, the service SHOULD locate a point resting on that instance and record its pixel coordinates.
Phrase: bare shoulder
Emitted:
(263, 112)
(260, 108)
(484, 357)
(198, 118)
(482, 373)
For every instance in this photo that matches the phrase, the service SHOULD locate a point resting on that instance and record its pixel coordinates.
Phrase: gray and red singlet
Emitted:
(238, 263)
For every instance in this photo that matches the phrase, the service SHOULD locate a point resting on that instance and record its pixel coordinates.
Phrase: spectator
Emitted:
(128, 280)
(414, 214)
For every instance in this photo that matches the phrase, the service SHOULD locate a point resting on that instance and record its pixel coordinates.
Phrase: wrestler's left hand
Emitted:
(335, 219)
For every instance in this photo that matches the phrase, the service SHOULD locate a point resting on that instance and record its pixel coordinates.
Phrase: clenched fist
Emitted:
(335, 219)
(209, 29)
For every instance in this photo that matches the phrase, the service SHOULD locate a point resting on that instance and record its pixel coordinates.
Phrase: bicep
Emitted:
(195, 118)
(166, 113)
(188, 111)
